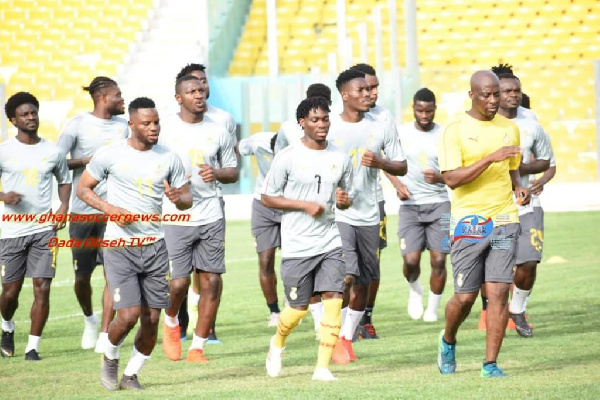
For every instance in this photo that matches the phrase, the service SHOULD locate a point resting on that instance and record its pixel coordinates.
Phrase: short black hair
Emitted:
(311, 103)
(525, 101)
(141, 102)
(17, 100)
(98, 84)
(365, 69)
(319, 90)
(347, 76)
(272, 144)
(188, 69)
(184, 78)
(425, 95)
(504, 71)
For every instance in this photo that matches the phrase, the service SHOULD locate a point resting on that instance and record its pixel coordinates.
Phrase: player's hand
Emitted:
(171, 193)
(536, 187)
(342, 199)
(62, 210)
(370, 159)
(402, 192)
(12, 198)
(122, 214)
(207, 173)
(430, 176)
(314, 209)
(523, 196)
(505, 152)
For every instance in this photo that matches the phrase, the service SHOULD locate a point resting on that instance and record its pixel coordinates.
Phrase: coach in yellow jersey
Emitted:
(479, 158)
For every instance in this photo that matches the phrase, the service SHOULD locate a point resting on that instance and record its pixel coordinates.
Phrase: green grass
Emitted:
(561, 361)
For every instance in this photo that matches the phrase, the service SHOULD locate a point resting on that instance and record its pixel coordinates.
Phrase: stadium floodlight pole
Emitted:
(341, 34)
(362, 37)
(412, 59)
(378, 39)
(597, 115)
(272, 38)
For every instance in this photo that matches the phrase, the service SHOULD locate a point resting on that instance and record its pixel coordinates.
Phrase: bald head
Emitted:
(483, 78)
(485, 95)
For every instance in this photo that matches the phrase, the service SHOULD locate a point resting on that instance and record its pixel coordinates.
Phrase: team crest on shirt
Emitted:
(371, 141)
(159, 170)
(117, 295)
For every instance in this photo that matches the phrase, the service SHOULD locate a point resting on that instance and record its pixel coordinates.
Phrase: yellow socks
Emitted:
(288, 320)
(330, 328)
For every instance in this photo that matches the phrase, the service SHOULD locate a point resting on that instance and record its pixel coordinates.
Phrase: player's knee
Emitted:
(82, 282)
(466, 301)
(11, 294)
(128, 317)
(213, 287)
(179, 286)
(348, 282)
(41, 288)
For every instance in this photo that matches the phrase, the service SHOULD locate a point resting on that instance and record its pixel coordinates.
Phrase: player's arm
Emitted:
(76, 163)
(182, 197)
(345, 192)
(63, 178)
(11, 197)
(85, 191)
(401, 189)
(229, 172)
(283, 203)
(522, 194)
(464, 175)
(67, 141)
(537, 185)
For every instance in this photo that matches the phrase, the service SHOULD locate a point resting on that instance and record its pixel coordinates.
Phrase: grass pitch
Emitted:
(561, 361)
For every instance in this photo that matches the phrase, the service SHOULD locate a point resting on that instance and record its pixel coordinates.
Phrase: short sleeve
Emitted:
(541, 145)
(226, 154)
(281, 142)
(346, 180)
(245, 147)
(276, 178)
(449, 148)
(177, 172)
(68, 138)
(99, 164)
(61, 170)
(514, 162)
(391, 143)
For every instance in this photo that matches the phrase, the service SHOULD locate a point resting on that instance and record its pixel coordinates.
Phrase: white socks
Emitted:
(91, 320)
(136, 363)
(8, 326)
(416, 287)
(198, 342)
(171, 321)
(32, 343)
(517, 304)
(353, 318)
(433, 302)
(316, 311)
(344, 312)
(112, 351)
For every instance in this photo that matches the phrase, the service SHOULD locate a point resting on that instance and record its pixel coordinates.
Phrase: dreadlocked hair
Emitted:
(98, 84)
